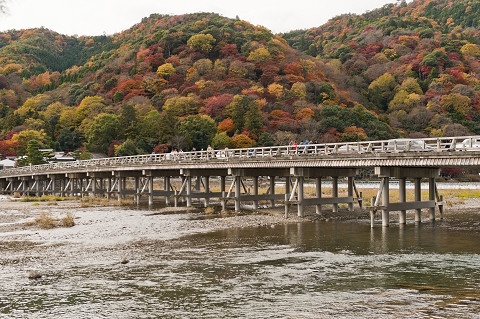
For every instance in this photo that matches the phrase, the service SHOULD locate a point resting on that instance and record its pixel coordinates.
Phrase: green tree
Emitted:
(253, 119)
(34, 155)
(149, 130)
(381, 91)
(69, 139)
(318, 92)
(198, 129)
(103, 130)
(127, 148)
(128, 121)
(265, 139)
(220, 141)
(237, 109)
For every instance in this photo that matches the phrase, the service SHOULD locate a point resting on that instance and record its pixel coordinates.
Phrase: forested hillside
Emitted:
(201, 79)
(417, 65)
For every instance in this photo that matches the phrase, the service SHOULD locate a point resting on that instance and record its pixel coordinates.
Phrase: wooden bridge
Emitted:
(153, 176)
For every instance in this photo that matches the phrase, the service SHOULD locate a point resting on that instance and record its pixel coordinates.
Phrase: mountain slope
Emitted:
(198, 79)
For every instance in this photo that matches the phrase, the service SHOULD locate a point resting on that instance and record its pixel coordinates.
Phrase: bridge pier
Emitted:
(417, 173)
(431, 196)
(402, 194)
(335, 193)
(317, 173)
(386, 202)
(255, 192)
(318, 193)
(272, 191)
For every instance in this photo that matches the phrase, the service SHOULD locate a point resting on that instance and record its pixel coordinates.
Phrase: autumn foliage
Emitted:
(188, 81)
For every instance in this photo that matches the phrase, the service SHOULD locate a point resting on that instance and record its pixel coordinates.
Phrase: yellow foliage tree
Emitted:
(90, 107)
(276, 90)
(182, 105)
(470, 49)
(30, 108)
(201, 42)
(299, 90)
(259, 55)
(241, 141)
(26, 136)
(456, 102)
(165, 70)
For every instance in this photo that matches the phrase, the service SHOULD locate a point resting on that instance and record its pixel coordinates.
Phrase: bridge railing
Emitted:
(444, 144)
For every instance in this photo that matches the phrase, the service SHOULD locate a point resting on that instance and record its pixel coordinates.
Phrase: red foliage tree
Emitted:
(8, 147)
(215, 105)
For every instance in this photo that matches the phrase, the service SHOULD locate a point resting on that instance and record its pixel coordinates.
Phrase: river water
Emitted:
(312, 269)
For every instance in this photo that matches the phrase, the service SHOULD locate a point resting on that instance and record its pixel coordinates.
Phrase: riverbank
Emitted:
(113, 225)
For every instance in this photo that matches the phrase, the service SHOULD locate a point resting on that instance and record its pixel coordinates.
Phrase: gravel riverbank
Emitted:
(96, 225)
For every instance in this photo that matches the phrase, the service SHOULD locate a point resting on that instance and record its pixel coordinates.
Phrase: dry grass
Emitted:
(68, 221)
(47, 221)
(51, 199)
(209, 210)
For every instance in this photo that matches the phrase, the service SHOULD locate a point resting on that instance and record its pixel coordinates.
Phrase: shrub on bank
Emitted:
(47, 221)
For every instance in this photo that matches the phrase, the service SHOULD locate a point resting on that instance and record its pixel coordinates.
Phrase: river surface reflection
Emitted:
(305, 270)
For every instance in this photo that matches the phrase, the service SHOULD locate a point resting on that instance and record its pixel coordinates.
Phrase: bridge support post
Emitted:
(150, 190)
(62, 187)
(207, 190)
(109, 190)
(272, 190)
(37, 186)
(301, 196)
(23, 188)
(166, 188)
(431, 196)
(255, 192)
(318, 194)
(238, 183)
(222, 190)
(372, 213)
(335, 193)
(350, 192)
(440, 207)
(287, 204)
(72, 184)
(119, 188)
(385, 202)
(189, 191)
(12, 187)
(418, 198)
(288, 181)
(94, 186)
(137, 190)
(402, 191)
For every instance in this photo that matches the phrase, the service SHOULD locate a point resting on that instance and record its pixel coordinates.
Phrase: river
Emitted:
(311, 269)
